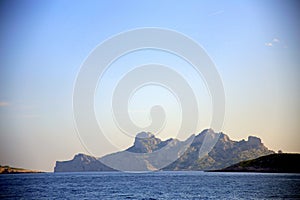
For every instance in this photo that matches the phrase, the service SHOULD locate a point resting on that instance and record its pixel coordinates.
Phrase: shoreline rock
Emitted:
(13, 170)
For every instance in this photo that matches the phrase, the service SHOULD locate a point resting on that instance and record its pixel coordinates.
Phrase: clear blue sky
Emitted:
(254, 44)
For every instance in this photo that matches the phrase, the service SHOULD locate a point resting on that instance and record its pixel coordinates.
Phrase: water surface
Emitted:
(158, 185)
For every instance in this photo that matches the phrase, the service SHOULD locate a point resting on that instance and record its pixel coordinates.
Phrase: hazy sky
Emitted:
(255, 46)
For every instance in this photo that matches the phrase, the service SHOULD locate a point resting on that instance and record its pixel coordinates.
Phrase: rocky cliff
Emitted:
(151, 153)
(81, 163)
(225, 152)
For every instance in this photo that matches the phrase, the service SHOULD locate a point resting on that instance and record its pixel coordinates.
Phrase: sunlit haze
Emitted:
(253, 44)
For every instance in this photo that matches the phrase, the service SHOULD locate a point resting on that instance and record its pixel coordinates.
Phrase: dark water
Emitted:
(158, 185)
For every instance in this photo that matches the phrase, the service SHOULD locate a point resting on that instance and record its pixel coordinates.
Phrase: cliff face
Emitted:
(81, 163)
(225, 152)
(147, 154)
(147, 143)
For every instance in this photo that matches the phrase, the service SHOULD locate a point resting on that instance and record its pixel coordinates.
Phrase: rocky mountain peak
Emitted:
(225, 137)
(145, 142)
(80, 157)
(144, 135)
(206, 132)
(81, 162)
(255, 141)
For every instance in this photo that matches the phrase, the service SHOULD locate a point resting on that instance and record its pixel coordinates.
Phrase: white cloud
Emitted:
(276, 42)
(269, 44)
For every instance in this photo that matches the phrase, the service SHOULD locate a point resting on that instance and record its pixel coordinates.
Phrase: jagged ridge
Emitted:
(145, 155)
(225, 152)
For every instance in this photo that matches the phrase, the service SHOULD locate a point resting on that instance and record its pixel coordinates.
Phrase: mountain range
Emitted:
(149, 153)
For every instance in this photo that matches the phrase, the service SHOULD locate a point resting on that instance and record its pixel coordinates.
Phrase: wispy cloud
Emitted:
(269, 44)
(4, 103)
(219, 12)
(274, 41)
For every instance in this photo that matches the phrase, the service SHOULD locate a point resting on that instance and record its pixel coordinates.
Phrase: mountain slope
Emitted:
(81, 163)
(146, 142)
(147, 153)
(276, 163)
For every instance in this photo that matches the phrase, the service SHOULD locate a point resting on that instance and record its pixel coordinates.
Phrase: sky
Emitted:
(254, 45)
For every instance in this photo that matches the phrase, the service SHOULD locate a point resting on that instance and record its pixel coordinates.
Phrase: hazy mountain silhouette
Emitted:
(151, 153)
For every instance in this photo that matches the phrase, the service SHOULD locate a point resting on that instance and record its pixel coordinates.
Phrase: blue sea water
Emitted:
(157, 185)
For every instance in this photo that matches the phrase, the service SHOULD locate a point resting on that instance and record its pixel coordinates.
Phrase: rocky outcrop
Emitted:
(13, 170)
(205, 151)
(81, 163)
(147, 153)
(146, 142)
(224, 153)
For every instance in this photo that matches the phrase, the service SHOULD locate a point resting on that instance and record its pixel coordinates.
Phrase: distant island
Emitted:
(224, 153)
(274, 163)
(13, 170)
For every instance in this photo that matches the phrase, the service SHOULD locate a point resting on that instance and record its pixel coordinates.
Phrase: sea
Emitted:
(150, 186)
